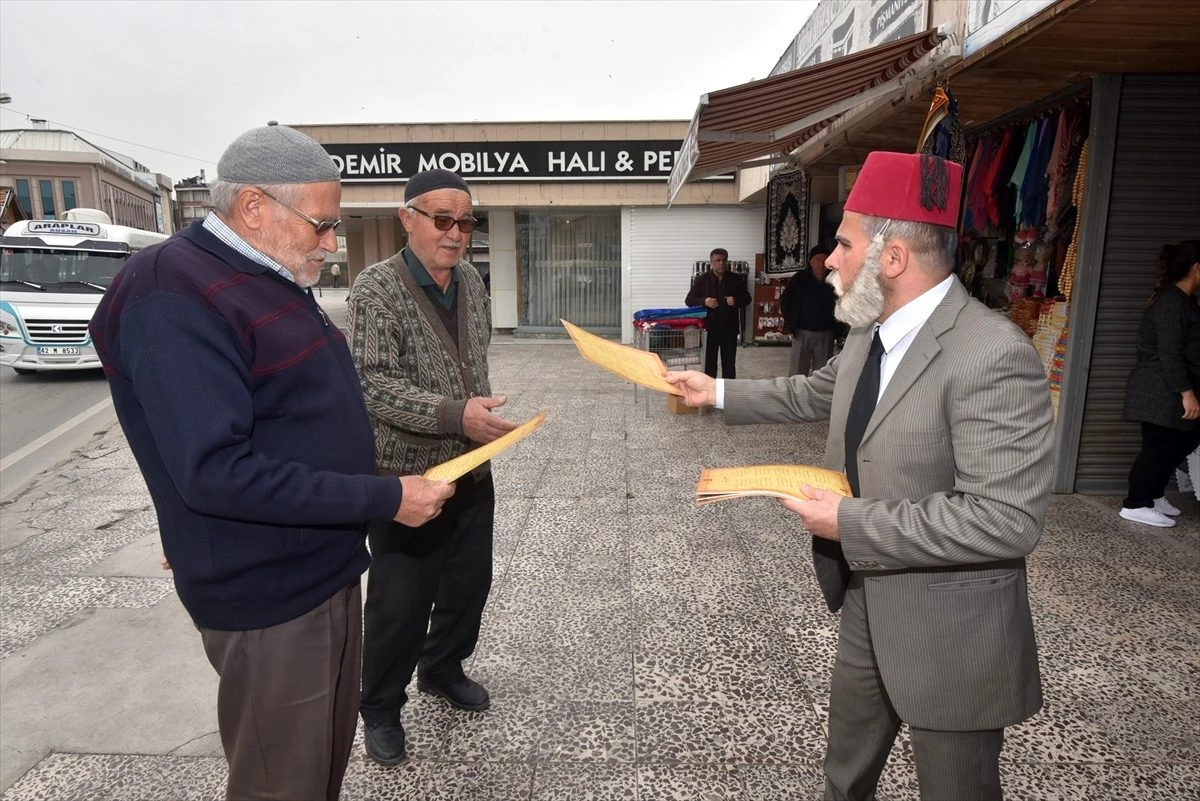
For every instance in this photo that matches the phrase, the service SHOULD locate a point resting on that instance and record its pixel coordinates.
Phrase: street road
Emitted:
(44, 417)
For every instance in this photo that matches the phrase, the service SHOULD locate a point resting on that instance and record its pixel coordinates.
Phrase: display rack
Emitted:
(770, 327)
(678, 348)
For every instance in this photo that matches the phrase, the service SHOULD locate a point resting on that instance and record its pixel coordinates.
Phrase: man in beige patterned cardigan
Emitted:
(420, 325)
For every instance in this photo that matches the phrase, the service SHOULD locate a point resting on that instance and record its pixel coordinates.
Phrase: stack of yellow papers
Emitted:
(776, 480)
(459, 466)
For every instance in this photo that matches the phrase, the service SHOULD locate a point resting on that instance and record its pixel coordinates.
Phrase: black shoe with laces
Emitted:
(459, 690)
(385, 743)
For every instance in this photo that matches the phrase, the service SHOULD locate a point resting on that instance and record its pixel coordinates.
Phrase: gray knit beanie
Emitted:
(276, 154)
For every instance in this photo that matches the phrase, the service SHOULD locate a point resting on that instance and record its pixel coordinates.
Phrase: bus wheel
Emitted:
(23, 371)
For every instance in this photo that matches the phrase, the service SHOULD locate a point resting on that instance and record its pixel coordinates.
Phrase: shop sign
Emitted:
(686, 158)
(987, 22)
(834, 30)
(510, 161)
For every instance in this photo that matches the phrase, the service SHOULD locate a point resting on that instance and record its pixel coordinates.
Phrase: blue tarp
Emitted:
(698, 312)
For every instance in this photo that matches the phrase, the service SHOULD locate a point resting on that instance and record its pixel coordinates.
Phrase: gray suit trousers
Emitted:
(951, 765)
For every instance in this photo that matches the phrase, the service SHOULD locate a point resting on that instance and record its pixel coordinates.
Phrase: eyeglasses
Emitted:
(322, 227)
(444, 222)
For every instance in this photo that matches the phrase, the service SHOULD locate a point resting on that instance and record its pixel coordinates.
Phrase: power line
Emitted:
(113, 138)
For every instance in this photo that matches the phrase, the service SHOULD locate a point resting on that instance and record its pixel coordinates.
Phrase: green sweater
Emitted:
(416, 383)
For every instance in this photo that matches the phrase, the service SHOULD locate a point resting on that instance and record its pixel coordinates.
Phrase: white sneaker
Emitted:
(1166, 507)
(1151, 517)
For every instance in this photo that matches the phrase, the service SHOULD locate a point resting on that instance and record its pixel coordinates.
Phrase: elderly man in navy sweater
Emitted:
(241, 404)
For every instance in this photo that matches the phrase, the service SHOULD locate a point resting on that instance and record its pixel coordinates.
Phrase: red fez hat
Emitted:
(907, 186)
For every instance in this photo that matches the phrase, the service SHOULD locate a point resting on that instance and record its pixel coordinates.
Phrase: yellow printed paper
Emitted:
(776, 480)
(639, 366)
(459, 466)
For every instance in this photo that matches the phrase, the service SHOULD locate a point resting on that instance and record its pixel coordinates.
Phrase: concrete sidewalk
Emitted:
(637, 647)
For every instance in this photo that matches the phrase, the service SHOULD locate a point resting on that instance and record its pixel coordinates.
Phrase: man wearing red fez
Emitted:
(940, 414)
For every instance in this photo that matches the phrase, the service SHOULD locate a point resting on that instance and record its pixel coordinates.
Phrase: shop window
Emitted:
(24, 196)
(68, 190)
(570, 267)
(46, 190)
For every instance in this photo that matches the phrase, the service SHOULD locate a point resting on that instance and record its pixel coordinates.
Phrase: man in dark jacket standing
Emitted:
(807, 304)
(724, 295)
(242, 407)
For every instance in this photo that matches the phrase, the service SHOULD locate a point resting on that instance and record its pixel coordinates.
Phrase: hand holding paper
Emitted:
(639, 366)
(819, 513)
(698, 389)
(459, 466)
(422, 500)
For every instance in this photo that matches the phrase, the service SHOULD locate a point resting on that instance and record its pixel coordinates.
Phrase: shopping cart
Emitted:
(678, 341)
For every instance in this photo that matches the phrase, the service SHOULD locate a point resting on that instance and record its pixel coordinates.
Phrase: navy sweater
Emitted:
(242, 407)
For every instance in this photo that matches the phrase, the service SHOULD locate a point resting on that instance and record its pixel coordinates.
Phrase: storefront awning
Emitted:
(774, 115)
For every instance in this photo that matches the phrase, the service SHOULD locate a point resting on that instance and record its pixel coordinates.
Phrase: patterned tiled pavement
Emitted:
(636, 646)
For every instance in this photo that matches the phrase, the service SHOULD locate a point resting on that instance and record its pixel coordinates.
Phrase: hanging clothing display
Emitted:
(1023, 190)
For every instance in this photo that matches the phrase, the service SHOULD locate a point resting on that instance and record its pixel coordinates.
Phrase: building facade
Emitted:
(52, 171)
(575, 222)
(193, 200)
(11, 210)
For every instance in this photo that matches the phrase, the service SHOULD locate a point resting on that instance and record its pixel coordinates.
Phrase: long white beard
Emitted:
(861, 303)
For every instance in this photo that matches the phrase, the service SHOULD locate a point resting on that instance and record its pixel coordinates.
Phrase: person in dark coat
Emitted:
(807, 304)
(724, 294)
(1161, 393)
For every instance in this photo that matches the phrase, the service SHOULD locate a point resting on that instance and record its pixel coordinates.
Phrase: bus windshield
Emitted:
(58, 270)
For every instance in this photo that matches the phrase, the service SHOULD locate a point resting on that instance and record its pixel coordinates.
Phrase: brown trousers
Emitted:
(287, 702)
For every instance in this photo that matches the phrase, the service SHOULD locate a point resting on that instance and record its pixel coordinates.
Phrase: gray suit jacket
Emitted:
(955, 473)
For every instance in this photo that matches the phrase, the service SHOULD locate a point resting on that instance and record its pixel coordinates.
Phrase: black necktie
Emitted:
(862, 405)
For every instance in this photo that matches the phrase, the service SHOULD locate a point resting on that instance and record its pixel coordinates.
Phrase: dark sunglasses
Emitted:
(444, 222)
(322, 227)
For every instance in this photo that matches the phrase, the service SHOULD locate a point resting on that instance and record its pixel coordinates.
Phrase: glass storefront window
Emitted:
(569, 262)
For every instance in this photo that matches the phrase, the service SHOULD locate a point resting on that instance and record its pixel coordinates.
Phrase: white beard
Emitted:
(861, 303)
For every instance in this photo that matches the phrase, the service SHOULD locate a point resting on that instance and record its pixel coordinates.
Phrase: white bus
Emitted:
(52, 276)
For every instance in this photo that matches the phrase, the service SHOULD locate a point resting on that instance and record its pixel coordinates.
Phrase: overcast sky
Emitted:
(187, 77)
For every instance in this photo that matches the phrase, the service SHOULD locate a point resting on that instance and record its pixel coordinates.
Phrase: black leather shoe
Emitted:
(460, 691)
(385, 743)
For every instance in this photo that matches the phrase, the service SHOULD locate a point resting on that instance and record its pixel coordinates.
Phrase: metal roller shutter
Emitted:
(665, 242)
(1154, 199)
